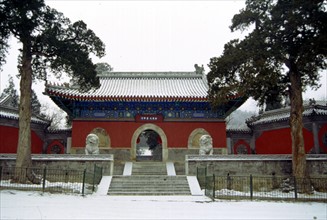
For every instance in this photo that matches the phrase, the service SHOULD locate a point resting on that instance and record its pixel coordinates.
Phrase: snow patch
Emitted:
(35, 205)
(104, 186)
(170, 169)
(128, 169)
(194, 186)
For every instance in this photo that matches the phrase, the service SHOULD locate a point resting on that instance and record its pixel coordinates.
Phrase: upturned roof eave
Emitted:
(91, 98)
(282, 115)
(4, 113)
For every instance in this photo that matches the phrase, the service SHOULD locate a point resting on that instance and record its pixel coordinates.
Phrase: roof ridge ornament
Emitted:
(199, 69)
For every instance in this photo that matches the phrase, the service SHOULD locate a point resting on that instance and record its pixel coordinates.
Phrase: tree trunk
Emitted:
(23, 173)
(296, 124)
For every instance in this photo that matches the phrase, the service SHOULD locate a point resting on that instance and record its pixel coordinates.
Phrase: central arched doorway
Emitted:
(149, 142)
(149, 146)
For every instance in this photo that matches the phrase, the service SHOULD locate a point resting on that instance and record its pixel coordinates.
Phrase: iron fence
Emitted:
(262, 187)
(50, 180)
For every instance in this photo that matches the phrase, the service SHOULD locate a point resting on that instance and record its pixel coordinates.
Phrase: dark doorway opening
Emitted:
(149, 146)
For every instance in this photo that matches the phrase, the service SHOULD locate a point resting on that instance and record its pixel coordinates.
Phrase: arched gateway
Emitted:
(155, 128)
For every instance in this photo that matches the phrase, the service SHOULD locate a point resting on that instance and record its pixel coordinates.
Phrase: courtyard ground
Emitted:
(35, 205)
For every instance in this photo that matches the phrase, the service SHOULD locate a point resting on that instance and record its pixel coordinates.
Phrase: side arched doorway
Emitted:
(194, 138)
(104, 139)
(152, 137)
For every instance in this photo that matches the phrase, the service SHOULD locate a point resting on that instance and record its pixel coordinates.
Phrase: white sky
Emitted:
(152, 35)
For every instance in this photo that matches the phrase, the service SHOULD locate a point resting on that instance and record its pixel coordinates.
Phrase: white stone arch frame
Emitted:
(193, 134)
(155, 128)
(104, 134)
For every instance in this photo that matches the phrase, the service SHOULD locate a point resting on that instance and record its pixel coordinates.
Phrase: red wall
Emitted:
(322, 132)
(9, 140)
(56, 143)
(242, 142)
(121, 133)
(279, 141)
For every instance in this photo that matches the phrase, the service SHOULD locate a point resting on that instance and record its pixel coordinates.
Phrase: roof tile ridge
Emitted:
(153, 74)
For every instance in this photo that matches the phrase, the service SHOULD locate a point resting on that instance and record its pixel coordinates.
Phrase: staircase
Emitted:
(149, 178)
(149, 185)
(149, 168)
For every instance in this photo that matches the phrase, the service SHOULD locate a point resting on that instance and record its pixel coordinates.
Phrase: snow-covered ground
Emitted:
(35, 205)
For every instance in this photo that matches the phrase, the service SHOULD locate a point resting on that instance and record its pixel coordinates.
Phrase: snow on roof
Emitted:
(243, 129)
(12, 115)
(4, 100)
(8, 101)
(284, 114)
(59, 130)
(140, 86)
(7, 110)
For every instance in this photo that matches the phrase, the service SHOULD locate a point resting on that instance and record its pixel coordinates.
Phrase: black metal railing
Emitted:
(262, 187)
(50, 180)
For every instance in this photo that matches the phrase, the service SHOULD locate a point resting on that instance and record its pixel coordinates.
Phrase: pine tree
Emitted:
(12, 92)
(35, 104)
(49, 41)
(282, 54)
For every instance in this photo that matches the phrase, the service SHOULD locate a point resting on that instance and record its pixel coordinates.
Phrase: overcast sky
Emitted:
(152, 35)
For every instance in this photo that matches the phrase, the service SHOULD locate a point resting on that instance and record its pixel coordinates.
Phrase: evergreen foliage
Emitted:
(103, 68)
(49, 41)
(287, 36)
(282, 55)
(14, 97)
(12, 92)
(35, 104)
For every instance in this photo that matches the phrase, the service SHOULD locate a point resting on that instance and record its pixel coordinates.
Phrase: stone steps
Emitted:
(149, 168)
(149, 185)
(149, 178)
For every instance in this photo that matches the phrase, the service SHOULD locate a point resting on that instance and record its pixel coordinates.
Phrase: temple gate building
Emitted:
(145, 115)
